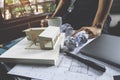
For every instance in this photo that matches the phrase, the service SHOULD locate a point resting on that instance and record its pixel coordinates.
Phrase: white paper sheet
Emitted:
(51, 72)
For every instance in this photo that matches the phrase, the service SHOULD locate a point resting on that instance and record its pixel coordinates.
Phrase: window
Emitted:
(20, 8)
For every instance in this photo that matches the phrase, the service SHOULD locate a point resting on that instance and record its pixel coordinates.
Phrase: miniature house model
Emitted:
(48, 37)
(32, 34)
(45, 37)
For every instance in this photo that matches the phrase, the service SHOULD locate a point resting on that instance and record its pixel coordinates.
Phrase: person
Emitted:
(89, 15)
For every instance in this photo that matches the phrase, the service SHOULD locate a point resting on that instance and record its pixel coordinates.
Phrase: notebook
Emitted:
(105, 48)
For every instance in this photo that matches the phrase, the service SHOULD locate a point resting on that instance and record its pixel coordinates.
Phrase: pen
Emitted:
(87, 62)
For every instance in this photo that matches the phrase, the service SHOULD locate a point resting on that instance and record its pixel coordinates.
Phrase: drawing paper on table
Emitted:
(48, 73)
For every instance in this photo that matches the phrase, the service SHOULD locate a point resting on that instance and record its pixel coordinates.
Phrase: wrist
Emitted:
(53, 15)
(99, 25)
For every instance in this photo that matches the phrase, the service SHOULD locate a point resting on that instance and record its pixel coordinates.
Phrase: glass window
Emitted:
(20, 8)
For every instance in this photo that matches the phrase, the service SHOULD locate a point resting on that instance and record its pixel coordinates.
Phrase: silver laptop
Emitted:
(105, 48)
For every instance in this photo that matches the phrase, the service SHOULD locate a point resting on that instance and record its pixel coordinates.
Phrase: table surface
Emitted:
(67, 68)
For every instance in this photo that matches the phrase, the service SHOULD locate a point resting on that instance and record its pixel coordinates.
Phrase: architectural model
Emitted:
(32, 33)
(48, 37)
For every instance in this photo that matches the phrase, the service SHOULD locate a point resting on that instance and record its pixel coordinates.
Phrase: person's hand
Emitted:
(91, 30)
(44, 22)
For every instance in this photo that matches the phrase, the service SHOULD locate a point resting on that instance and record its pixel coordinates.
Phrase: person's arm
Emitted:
(61, 8)
(102, 13)
(95, 29)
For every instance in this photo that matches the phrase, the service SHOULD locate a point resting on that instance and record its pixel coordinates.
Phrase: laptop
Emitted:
(105, 48)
